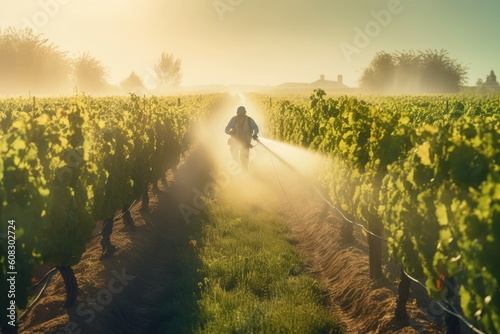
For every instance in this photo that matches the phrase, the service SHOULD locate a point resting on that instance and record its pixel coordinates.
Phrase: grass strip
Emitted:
(253, 280)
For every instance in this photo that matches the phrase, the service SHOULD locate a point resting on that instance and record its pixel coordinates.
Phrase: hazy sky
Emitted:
(262, 41)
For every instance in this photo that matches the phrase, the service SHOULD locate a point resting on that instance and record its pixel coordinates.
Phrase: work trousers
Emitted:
(240, 151)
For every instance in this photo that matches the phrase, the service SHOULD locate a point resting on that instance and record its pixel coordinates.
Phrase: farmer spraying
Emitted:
(242, 129)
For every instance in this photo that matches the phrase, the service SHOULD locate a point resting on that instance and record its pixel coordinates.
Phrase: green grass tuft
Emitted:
(254, 280)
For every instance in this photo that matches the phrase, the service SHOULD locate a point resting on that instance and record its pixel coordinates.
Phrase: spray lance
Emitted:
(274, 154)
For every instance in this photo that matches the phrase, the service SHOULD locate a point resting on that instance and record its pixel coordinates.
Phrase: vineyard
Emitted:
(67, 163)
(421, 175)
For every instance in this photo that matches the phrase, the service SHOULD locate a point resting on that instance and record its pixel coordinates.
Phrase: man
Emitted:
(242, 129)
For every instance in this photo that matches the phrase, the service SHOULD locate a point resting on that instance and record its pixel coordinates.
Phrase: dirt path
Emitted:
(120, 294)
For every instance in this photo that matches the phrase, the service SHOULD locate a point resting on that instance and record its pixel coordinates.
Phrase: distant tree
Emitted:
(491, 80)
(378, 77)
(488, 85)
(413, 72)
(440, 73)
(407, 72)
(29, 63)
(89, 74)
(132, 84)
(168, 71)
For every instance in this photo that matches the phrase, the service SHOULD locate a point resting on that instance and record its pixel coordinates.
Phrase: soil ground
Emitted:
(119, 294)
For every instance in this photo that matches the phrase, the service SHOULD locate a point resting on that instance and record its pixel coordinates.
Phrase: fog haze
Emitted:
(262, 42)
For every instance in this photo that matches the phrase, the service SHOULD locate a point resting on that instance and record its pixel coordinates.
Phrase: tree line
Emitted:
(30, 63)
(411, 71)
(419, 72)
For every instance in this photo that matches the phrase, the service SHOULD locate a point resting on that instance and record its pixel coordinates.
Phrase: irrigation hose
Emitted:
(320, 195)
(44, 278)
(37, 298)
(283, 189)
(48, 276)
(465, 321)
(444, 308)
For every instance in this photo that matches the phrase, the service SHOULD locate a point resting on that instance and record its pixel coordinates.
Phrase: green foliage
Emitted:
(66, 163)
(413, 72)
(426, 169)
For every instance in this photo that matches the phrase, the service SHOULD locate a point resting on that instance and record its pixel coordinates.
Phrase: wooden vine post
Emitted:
(347, 231)
(70, 284)
(127, 217)
(403, 295)
(453, 298)
(107, 248)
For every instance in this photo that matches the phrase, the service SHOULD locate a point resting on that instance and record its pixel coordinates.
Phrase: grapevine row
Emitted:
(423, 171)
(67, 163)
